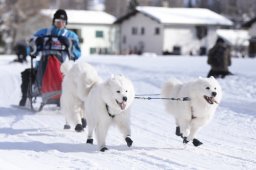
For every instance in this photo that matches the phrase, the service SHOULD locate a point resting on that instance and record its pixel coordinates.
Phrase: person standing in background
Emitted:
(219, 58)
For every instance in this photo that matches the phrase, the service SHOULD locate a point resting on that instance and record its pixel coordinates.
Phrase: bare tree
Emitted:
(116, 7)
(236, 10)
(16, 17)
(121, 7)
(68, 4)
(175, 3)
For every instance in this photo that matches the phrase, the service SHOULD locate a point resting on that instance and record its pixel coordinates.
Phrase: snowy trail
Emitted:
(29, 140)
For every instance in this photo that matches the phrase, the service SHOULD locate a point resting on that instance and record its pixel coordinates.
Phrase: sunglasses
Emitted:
(60, 20)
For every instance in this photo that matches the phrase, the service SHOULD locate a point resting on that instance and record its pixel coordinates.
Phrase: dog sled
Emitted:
(45, 77)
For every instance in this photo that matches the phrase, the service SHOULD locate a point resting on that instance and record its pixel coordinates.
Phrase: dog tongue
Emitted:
(215, 101)
(123, 105)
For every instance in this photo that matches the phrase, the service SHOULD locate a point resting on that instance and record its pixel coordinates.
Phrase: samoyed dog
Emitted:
(109, 102)
(204, 95)
(79, 77)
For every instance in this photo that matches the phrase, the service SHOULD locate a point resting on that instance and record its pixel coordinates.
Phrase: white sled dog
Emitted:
(108, 103)
(204, 96)
(79, 77)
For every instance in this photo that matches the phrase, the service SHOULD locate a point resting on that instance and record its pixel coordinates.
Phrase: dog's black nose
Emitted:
(125, 98)
(214, 94)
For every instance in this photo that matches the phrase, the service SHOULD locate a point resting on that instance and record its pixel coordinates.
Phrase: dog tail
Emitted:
(66, 66)
(169, 86)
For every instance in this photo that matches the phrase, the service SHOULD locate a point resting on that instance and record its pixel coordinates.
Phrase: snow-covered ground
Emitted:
(31, 141)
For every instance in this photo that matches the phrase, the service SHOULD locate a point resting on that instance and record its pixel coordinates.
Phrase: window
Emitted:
(142, 31)
(176, 50)
(124, 39)
(92, 50)
(79, 33)
(157, 31)
(134, 31)
(103, 51)
(203, 50)
(99, 34)
(201, 32)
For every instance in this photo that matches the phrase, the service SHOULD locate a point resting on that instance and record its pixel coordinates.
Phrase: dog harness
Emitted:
(192, 111)
(112, 116)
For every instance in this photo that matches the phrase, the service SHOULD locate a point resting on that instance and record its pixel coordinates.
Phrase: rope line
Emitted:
(162, 98)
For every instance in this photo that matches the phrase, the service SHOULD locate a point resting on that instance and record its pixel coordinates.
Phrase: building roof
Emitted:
(235, 37)
(249, 23)
(187, 16)
(84, 17)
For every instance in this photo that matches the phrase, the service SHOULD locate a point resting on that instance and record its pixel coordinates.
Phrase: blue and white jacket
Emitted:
(53, 30)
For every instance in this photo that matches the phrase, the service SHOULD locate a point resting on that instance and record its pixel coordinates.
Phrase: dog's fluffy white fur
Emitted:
(205, 95)
(79, 78)
(108, 103)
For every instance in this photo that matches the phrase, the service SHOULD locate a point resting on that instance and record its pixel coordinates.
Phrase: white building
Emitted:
(238, 40)
(93, 27)
(169, 30)
(251, 27)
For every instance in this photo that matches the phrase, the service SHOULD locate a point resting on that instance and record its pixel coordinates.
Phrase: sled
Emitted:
(45, 83)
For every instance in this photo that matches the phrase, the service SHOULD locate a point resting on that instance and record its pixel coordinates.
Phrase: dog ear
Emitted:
(107, 82)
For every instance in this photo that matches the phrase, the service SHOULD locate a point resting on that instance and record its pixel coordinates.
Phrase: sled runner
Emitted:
(45, 77)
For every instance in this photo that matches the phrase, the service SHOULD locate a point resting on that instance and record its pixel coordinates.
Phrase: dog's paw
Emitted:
(66, 126)
(177, 132)
(196, 142)
(103, 149)
(90, 141)
(79, 128)
(128, 141)
(185, 141)
(84, 123)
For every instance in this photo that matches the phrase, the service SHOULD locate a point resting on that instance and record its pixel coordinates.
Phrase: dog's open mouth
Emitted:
(210, 100)
(121, 104)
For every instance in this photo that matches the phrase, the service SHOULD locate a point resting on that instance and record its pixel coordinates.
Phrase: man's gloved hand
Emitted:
(33, 47)
(64, 40)
(32, 56)
(40, 41)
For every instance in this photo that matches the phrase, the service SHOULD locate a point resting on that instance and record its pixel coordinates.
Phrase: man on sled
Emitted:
(55, 45)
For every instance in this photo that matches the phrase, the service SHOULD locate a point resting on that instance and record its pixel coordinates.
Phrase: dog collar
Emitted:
(112, 116)
(192, 113)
